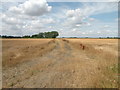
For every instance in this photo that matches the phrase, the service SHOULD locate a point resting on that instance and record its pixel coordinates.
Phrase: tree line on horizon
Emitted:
(52, 34)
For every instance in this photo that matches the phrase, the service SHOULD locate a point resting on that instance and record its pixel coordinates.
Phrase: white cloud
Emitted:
(92, 9)
(78, 25)
(74, 18)
(11, 20)
(98, 8)
(76, 15)
(32, 8)
(66, 0)
(40, 23)
(106, 26)
(92, 19)
(47, 21)
(23, 19)
(26, 18)
(70, 13)
(88, 24)
(80, 17)
(74, 29)
(13, 24)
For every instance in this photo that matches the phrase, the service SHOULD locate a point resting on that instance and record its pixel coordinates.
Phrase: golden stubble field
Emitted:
(60, 63)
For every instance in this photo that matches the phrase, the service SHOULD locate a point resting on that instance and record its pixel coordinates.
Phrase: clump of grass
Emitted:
(11, 84)
(32, 73)
(110, 77)
(113, 68)
(66, 40)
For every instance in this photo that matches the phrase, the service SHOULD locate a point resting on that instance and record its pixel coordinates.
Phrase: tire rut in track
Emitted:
(57, 58)
(47, 69)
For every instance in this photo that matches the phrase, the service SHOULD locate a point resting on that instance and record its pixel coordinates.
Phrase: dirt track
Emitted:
(59, 63)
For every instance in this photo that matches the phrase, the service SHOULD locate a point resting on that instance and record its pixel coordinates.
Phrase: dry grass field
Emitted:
(60, 63)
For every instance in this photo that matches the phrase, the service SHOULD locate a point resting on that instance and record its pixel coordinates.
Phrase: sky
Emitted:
(70, 19)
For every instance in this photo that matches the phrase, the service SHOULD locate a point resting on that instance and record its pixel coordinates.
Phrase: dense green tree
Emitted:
(52, 34)
(26, 36)
(48, 35)
(34, 36)
(41, 35)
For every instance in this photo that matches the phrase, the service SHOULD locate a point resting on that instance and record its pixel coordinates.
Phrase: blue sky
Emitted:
(106, 17)
(70, 19)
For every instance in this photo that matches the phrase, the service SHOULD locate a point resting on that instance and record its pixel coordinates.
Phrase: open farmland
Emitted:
(60, 63)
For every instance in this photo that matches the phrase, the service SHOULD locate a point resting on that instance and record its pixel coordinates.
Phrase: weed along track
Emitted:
(59, 63)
